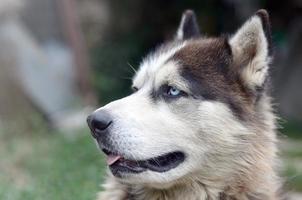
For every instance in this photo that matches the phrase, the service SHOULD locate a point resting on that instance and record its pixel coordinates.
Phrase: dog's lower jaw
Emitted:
(115, 190)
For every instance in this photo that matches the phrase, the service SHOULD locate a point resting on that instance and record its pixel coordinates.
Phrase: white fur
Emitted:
(179, 33)
(152, 63)
(250, 37)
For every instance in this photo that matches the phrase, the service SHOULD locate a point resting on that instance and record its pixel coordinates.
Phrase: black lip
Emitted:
(166, 162)
(160, 164)
(126, 167)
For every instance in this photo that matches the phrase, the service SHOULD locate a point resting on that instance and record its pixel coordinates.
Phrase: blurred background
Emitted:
(60, 59)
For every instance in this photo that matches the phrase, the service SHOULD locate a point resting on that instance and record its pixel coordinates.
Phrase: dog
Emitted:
(200, 124)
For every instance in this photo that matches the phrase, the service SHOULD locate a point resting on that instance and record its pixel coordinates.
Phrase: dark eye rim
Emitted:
(134, 89)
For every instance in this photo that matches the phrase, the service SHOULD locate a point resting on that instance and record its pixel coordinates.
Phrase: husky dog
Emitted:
(199, 124)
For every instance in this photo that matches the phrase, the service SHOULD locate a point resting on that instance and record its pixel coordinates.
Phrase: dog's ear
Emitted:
(188, 27)
(252, 50)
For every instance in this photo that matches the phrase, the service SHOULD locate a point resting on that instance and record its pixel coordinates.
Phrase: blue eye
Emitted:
(172, 91)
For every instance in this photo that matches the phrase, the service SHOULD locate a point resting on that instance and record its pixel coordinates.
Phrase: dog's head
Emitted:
(195, 104)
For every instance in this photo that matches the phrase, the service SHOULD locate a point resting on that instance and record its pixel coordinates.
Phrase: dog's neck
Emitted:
(195, 190)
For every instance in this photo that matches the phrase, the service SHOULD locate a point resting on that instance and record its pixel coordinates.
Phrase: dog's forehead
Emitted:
(156, 61)
(204, 54)
(203, 57)
(207, 61)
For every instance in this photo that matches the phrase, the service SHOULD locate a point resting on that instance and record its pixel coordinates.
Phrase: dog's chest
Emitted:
(175, 194)
(181, 195)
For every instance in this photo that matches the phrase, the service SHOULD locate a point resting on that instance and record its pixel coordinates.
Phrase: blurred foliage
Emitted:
(292, 129)
(138, 26)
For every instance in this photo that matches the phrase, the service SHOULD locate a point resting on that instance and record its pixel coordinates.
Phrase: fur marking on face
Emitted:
(200, 124)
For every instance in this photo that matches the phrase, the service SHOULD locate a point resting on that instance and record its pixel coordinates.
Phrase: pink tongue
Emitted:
(111, 159)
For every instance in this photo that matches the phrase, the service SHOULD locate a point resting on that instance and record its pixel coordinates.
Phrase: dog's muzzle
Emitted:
(100, 124)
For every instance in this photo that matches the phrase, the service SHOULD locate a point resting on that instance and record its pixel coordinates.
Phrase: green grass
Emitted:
(292, 159)
(293, 178)
(294, 153)
(49, 166)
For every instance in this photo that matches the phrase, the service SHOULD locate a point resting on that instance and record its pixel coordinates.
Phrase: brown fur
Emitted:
(208, 65)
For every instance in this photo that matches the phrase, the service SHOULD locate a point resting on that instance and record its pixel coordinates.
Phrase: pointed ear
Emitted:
(252, 50)
(188, 27)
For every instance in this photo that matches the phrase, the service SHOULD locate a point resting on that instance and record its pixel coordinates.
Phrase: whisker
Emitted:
(134, 70)
(126, 78)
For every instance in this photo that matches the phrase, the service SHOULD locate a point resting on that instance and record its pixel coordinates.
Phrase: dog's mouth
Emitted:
(120, 165)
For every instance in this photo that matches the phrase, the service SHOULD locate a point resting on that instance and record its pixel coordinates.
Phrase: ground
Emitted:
(50, 165)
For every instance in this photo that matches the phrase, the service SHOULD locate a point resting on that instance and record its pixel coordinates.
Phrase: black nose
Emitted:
(99, 123)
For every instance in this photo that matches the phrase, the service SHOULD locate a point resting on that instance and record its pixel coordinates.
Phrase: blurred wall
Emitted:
(43, 63)
(43, 19)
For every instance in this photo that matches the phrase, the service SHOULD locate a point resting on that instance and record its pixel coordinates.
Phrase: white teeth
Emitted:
(111, 159)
